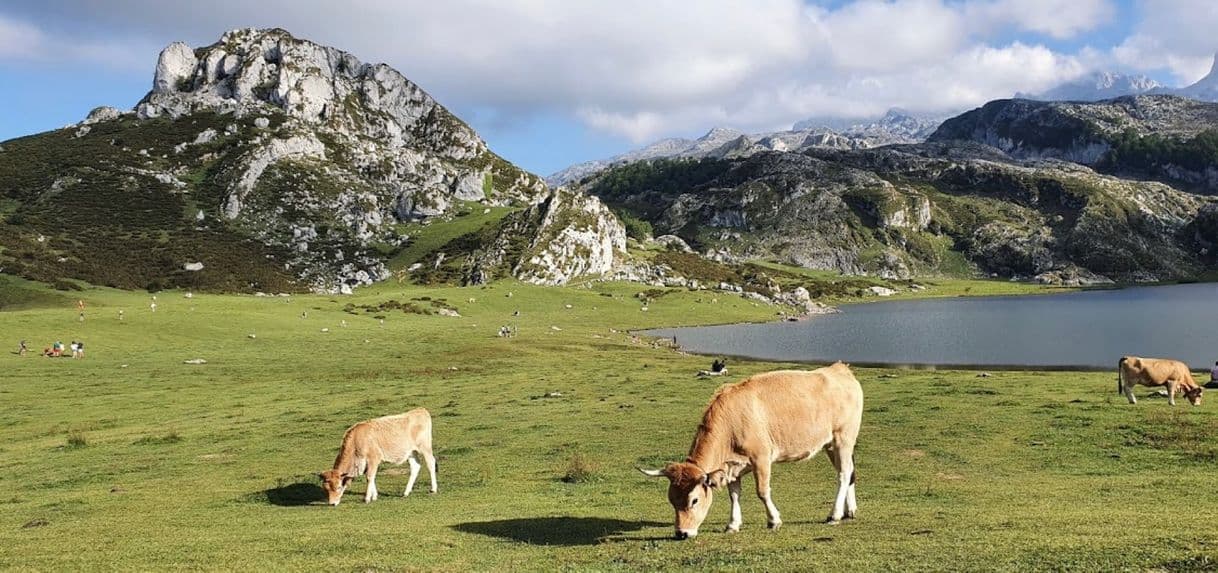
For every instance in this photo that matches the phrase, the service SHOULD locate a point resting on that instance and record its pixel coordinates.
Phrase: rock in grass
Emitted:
(194, 361)
(39, 522)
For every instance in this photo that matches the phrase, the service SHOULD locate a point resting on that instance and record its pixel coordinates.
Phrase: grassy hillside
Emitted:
(131, 459)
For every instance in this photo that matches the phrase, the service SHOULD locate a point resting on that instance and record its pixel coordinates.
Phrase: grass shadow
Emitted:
(295, 494)
(555, 531)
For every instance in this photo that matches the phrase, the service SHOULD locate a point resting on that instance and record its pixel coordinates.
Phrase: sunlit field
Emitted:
(132, 459)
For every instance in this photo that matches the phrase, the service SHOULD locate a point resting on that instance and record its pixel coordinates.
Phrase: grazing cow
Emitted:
(780, 416)
(1133, 370)
(394, 439)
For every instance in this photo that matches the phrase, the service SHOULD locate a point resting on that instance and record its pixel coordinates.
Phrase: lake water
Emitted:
(1090, 329)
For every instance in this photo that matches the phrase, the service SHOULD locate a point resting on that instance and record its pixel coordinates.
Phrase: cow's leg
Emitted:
(852, 502)
(761, 467)
(414, 473)
(843, 460)
(1128, 388)
(733, 493)
(430, 460)
(1172, 386)
(370, 495)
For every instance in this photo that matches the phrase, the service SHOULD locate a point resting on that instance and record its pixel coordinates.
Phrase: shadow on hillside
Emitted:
(560, 531)
(295, 494)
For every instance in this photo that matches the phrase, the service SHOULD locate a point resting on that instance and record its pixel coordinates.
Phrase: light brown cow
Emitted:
(781, 416)
(393, 439)
(1133, 370)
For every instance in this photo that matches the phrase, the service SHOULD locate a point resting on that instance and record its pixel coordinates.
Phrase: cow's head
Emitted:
(691, 490)
(335, 483)
(1194, 395)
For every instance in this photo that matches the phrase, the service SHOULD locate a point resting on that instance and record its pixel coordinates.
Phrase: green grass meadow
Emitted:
(132, 460)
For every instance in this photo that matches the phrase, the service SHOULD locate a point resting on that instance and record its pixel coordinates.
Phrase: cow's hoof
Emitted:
(731, 529)
(831, 521)
(849, 515)
(774, 525)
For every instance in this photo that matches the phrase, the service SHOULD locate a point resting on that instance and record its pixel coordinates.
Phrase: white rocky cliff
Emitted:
(311, 151)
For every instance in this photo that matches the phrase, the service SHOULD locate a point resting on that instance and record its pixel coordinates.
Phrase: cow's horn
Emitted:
(651, 473)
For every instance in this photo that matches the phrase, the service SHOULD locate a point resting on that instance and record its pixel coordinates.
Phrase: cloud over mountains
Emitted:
(645, 68)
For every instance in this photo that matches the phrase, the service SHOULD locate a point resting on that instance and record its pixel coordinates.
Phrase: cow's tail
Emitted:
(1120, 374)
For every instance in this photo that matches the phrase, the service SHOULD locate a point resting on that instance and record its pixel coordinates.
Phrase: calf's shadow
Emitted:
(555, 531)
(295, 494)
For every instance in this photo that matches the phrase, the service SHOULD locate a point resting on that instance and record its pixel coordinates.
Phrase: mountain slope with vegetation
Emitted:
(937, 209)
(261, 162)
(1162, 137)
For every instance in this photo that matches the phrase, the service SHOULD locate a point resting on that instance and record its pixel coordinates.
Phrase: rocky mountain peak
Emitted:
(721, 134)
(273, 160)
(249, 69)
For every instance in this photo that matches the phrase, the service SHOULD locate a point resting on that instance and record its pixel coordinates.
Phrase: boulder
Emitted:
(174, 67)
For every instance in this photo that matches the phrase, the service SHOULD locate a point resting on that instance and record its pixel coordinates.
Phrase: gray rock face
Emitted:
(1153, 136)
(901, 211)
(306, 150)
(566, 236)
(103, 113)
(174, 68)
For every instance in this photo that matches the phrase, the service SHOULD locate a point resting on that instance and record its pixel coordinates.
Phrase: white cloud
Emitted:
(1177, 35)
(18, 40)
(1056, 18)
(636, 68)
(23, 41)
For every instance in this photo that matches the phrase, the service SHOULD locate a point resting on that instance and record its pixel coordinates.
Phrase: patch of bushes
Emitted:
(77, 440)
(692, 266)
(636, 228)
(420, 305)
(170, 438)
(580, 469)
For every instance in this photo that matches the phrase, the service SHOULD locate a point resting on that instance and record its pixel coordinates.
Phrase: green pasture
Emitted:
(132, 459)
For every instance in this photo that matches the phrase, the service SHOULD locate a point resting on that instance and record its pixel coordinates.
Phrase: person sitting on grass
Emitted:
(21, 349)
(1213, 383)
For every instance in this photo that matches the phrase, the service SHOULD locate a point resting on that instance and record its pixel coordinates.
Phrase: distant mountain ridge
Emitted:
(1099, 86)
(895, 126)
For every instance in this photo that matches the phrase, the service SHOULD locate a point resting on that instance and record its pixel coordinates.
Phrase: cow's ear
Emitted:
(716, 479)
(347, 478)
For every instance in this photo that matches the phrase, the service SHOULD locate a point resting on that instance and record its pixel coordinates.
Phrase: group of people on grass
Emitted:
(57, 349)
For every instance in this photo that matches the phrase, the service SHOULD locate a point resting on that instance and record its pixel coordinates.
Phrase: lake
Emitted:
(1087, 330)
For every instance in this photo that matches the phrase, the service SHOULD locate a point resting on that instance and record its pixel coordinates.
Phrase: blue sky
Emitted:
(550, 82)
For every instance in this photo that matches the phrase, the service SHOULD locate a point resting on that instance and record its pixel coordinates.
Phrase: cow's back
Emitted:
(1154, 371)
(791, 410)
(391, 438)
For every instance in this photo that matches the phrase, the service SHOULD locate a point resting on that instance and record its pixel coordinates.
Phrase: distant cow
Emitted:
(366, 445)
(1132, 371)
(778, 416)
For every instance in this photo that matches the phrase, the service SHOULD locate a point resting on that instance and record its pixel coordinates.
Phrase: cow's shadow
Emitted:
(295, 494)
(556, 531)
